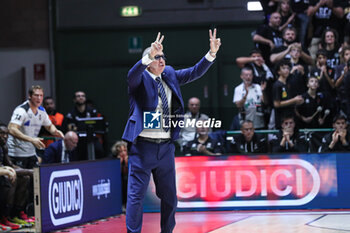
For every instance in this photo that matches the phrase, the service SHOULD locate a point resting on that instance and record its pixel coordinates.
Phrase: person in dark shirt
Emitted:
(324, 13)
(268, 36)
(248, 142)
(297, 79)
(330, 43)
(282, 101)
(342, 73)
(288, 138)
(287, 15)
(346, 20)
(339, 139)
(325, 75)
(313, 111)
(302, 20)
(203, 145)
(283, 52)
(70, 123)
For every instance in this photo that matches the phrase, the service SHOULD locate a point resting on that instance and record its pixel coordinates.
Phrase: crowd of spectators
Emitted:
(297, 73)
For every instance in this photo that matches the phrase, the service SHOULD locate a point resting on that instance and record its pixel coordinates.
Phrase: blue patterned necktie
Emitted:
(164, 104)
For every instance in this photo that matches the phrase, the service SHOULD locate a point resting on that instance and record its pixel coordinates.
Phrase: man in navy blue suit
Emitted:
(62, 151)
(154, 90)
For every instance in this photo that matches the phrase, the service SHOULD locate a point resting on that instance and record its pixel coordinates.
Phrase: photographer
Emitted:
(339, 139)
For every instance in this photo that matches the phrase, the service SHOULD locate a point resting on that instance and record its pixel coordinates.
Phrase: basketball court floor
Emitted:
(337, 221)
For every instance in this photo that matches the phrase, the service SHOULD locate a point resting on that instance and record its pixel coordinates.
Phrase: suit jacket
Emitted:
(53, 153)
(143, 94)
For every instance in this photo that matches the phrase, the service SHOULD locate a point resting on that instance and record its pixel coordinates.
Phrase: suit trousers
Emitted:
(146, 158)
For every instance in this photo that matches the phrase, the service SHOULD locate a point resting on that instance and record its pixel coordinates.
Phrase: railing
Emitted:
(270, 131)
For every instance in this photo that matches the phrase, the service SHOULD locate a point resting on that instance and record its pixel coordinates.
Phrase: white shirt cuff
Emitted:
(146, 60)
(209, 57)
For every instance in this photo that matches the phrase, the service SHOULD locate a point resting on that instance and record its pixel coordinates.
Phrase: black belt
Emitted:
(154, 140)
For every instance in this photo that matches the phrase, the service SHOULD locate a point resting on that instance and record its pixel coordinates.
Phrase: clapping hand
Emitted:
(156, 46)
(215, 43)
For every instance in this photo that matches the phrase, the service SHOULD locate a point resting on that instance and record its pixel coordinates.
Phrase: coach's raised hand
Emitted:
(215, 43)
(156, 46)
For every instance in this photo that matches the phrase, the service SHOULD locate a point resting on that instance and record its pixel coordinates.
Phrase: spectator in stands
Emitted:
(283, 52)
(268, 36)
(14, 185)
(24, 128)
(302, 20)
(297, 79)
(70, 123)
(188, 134)
(282, 101)
(261, 72)
(313, 111)
(325, 75)
(62, 151)
(346, 21)
(288, 138)
(287, 15)
(325, 13)
(339, 139)
(55, 117)
(248, 142)
(269, 6)
(342, 71)
(249, 97)
(203, 145)
(120, 151)
(330, 43)
(347, 87)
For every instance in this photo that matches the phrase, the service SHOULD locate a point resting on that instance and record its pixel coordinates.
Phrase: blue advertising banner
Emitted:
(285, 181)
(75, 193)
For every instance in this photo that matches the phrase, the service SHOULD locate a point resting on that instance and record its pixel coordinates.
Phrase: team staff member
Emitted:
(24, 128)
(248, 142)
(153, 86)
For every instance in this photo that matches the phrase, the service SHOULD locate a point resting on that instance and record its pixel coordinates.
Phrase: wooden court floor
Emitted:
(232, 222)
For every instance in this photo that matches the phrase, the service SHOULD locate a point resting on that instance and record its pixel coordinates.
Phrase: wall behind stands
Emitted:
(24, 41)
(94, 53)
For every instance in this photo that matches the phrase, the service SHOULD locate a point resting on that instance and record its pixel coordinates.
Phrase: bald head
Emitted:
(194, 105)
(71, 140)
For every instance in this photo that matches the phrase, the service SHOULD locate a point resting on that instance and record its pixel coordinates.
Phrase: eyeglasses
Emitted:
(158, 57)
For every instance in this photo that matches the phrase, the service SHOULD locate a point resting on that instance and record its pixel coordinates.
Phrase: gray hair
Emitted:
(146, 51)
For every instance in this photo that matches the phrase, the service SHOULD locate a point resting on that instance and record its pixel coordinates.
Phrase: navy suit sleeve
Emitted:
(135, 75)
(50, 154)
(190, 74)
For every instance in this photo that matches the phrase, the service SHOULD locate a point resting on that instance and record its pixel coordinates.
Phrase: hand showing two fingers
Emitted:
(215, 43)
(157, 46)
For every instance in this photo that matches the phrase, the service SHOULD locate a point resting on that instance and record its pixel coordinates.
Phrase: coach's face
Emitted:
(158, 65)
